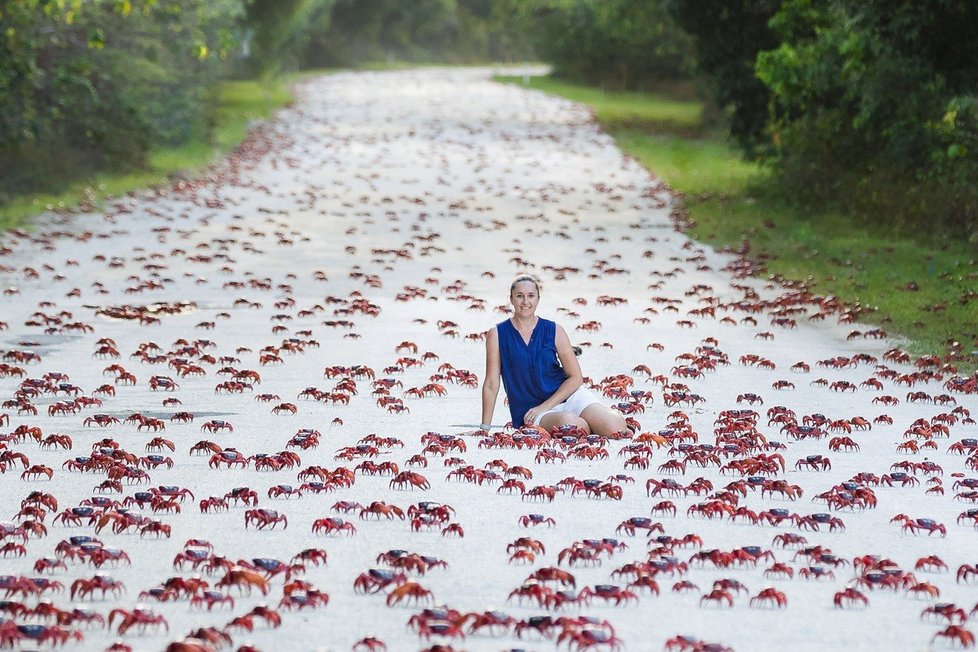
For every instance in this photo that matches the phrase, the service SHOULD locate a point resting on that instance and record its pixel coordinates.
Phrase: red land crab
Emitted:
(409, 591)
(140, 619)
(83, 588)
(377, 579)
(332, 525)
(265, 518)
(215, 425)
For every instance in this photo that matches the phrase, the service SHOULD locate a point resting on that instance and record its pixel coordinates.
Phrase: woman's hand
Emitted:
(531, 415)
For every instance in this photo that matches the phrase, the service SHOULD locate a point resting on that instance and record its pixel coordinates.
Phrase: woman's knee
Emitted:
(603, 420)
(558, 419)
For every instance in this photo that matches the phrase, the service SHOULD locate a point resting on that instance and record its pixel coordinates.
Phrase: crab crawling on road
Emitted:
(265, 518)
(915, 525)
(216, 425)
(140, 619)
(377, 579)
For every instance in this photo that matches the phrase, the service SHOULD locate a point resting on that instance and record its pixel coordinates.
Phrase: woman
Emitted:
(539, 370)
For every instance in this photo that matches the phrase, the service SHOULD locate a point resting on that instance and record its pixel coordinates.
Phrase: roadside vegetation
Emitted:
(923, 286)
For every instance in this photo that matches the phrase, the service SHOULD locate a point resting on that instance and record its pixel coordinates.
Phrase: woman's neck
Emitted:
(525, 323)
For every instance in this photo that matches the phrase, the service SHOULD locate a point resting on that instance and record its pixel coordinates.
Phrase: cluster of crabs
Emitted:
(739, 449)
(326, 433)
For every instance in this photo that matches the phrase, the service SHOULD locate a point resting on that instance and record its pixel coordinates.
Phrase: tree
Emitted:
(726, 38)
(87, 85)
(620, 43)
(281, 29)
(876, 100)
(357, 31)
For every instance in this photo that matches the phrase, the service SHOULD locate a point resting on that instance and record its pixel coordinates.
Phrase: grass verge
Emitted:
(920, 286)
(239, 103)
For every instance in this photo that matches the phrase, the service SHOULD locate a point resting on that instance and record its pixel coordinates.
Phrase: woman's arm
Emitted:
(490, 385)
(565, 353)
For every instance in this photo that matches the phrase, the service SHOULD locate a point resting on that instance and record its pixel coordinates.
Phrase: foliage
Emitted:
(619, 43)
(95, 84)
(726, 38)
(493, 30)
(874, 95)
(866, 106)
(281, 29)
(358, 31)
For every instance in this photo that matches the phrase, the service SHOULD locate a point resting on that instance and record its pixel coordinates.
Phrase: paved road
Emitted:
(379, 207)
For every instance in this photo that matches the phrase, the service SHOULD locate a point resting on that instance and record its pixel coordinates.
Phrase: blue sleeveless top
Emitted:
(531, 372)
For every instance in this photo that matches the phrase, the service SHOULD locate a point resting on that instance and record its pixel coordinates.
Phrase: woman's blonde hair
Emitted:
(524, 278)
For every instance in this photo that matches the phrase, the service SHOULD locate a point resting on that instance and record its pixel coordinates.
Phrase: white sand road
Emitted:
(416, 196)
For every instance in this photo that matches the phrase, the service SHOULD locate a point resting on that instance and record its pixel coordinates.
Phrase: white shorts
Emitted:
(575, 404)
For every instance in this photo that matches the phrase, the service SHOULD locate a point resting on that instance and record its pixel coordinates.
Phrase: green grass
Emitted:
(623, 110)
(692, 166)
(918, 286)
(240, 102)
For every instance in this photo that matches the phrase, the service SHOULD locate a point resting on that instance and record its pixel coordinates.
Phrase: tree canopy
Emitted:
(726, 38)
(622, 43)
(867, 105)
(452, 31)
(93, 85)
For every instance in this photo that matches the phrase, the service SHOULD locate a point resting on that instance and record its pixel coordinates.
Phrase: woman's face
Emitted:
(525, 298)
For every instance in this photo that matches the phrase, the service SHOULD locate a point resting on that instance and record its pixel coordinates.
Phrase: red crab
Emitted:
(264, 518)
(215, 425)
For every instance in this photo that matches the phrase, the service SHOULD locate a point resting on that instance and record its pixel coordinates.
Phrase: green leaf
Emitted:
(96, 39)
